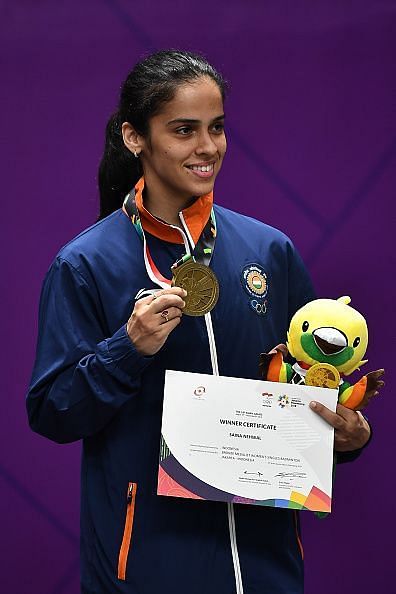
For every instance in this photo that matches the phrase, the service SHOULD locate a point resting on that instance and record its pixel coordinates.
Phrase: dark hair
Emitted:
(152, 83)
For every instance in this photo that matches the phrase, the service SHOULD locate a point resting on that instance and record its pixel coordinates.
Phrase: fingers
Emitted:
(376, 374)
(166, 315)
(373, 391)
(282, 348)
(342, 412)
(353, 435)
(374, 383)
(167, 300)
(348, 414)
(166, 328)
(373, 376)
(335, 420)
(171, 291)
(351, 430)
(154, 317)
(158, 293)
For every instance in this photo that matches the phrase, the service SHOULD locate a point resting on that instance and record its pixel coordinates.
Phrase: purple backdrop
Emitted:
(312, 150)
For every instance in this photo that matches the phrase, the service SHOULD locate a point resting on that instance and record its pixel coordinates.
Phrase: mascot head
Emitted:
(329, 331)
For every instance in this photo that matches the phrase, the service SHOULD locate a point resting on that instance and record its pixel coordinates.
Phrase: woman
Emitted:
(110, 325)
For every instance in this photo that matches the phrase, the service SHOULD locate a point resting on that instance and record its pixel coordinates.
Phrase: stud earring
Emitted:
(135, 154)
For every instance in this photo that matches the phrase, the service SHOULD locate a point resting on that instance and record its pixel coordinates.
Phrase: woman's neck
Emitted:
(164, 208)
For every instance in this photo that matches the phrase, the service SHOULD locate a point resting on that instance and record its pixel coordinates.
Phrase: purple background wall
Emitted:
(312, 150)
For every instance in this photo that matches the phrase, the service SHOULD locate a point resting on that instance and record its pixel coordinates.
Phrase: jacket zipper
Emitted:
(212, 344)
(126, 539)
(234, 549)
(215, 370)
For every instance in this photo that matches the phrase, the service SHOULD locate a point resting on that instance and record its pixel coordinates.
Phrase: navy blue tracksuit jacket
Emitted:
(90, 383)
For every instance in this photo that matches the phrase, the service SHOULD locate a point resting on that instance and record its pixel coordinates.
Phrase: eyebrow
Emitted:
(191, 121)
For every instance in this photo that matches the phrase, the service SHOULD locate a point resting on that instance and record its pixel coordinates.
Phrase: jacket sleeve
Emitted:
(301, 289)
(81, 378)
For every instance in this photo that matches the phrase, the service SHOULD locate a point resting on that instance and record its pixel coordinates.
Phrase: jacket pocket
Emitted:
(126, 539)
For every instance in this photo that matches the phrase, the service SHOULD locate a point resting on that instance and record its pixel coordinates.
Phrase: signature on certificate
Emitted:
(294, 474)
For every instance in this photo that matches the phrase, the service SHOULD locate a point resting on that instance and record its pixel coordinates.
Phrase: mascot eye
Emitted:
(305, 326)
(356, 342)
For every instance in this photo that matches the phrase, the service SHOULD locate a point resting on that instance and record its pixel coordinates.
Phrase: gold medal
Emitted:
(322, 375)
(201, 285)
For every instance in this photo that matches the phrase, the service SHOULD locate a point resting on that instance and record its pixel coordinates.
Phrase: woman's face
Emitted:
(186, 144)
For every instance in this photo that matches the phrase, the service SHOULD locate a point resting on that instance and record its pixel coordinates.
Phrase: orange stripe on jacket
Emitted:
(298, 536)
(128, 528)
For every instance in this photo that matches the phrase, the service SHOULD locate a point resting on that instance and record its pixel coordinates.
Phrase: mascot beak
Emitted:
(330, 340)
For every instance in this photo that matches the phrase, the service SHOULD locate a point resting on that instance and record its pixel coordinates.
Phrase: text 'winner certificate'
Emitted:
(245, 441)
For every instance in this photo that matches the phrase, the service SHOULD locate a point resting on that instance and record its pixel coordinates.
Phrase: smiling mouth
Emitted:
(208, 168)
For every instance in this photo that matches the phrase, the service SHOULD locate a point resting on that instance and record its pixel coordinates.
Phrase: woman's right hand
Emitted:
(153, 319)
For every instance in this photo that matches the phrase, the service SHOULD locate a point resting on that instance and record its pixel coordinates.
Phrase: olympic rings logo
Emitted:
(259, 308)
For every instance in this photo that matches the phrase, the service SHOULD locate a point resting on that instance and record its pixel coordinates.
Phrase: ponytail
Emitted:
(119, 170)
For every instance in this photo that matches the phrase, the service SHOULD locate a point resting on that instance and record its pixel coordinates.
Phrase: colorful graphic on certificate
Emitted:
(245, 441)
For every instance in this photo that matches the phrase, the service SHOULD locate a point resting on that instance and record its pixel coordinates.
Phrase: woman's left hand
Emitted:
(351, 430)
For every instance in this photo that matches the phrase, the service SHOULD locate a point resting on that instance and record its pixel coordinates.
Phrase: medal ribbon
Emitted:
(202, 252)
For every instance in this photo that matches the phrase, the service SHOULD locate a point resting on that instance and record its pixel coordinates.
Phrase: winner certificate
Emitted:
(245, 441)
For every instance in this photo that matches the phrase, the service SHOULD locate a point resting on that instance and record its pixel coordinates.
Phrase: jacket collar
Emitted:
(195, 217)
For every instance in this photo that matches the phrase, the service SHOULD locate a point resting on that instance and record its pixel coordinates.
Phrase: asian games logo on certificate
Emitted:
(283, 401)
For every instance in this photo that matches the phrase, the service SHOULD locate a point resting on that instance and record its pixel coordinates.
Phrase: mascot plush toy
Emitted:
(328, 339)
